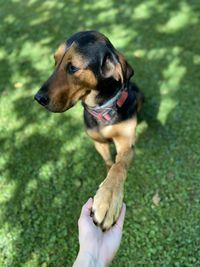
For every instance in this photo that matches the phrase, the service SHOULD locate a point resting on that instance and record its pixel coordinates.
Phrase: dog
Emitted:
(90, 69)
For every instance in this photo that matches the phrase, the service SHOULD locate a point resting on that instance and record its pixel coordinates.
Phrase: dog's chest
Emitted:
(107, 133)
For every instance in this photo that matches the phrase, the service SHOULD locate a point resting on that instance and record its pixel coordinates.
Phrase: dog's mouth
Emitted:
(46, 102)
(58, 109)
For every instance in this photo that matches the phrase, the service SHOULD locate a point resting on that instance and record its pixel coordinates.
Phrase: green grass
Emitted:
(48, 166)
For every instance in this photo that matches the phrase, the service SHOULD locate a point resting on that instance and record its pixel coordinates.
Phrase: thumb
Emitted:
(86, 209)
(120, 221)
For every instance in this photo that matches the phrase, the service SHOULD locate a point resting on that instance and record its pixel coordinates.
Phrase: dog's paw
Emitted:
(107, 205)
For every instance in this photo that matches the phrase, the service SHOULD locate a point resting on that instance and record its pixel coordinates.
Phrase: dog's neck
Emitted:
(90, 99)
(104, 93)
(107, 112)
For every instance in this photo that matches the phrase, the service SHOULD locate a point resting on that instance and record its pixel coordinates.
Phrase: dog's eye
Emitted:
(71, 69)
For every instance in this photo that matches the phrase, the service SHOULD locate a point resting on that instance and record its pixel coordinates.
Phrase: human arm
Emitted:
(97, 248)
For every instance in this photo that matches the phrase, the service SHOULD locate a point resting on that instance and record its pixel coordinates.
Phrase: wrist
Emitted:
(90, 259)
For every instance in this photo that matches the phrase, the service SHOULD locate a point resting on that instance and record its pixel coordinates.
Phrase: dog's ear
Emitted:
(114, 65)
(127, 70)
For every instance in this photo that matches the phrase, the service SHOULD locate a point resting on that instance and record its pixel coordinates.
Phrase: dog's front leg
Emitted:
(103, 149)
(109, 197)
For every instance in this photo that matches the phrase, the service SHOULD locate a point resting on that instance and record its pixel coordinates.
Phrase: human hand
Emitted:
(102, 246)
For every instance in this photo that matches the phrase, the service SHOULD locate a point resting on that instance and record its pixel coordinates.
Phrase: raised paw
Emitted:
(107, 205)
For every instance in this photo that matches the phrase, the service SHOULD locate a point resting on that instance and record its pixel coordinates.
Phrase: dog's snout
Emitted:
(42, 99)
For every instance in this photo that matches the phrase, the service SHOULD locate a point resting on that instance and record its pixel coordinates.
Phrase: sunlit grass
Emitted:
(179, 18)
(49, 167)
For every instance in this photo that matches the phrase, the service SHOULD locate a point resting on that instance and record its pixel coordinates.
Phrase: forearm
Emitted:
(87, 260)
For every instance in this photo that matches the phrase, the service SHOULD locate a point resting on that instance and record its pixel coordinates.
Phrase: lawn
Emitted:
(49, 167)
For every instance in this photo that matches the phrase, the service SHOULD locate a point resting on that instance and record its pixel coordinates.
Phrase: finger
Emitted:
(120, 221)
(86, 209)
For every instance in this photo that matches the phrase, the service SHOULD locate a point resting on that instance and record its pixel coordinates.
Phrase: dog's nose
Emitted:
(42, 99)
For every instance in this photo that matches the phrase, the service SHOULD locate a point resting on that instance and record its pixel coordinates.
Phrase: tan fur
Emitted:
(65, 89)
(90, 99)
(109, 197)
(103, 149)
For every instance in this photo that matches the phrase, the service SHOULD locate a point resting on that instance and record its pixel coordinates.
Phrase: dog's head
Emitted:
(81, 64)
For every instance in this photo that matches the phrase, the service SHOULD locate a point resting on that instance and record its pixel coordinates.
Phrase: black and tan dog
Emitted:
(90, 69)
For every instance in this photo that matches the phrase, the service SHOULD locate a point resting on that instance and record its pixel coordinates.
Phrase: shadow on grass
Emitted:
(44, 202)
(51, 182)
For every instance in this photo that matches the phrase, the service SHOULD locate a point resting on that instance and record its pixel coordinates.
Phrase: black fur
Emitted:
(95, 49)
(127, 111)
